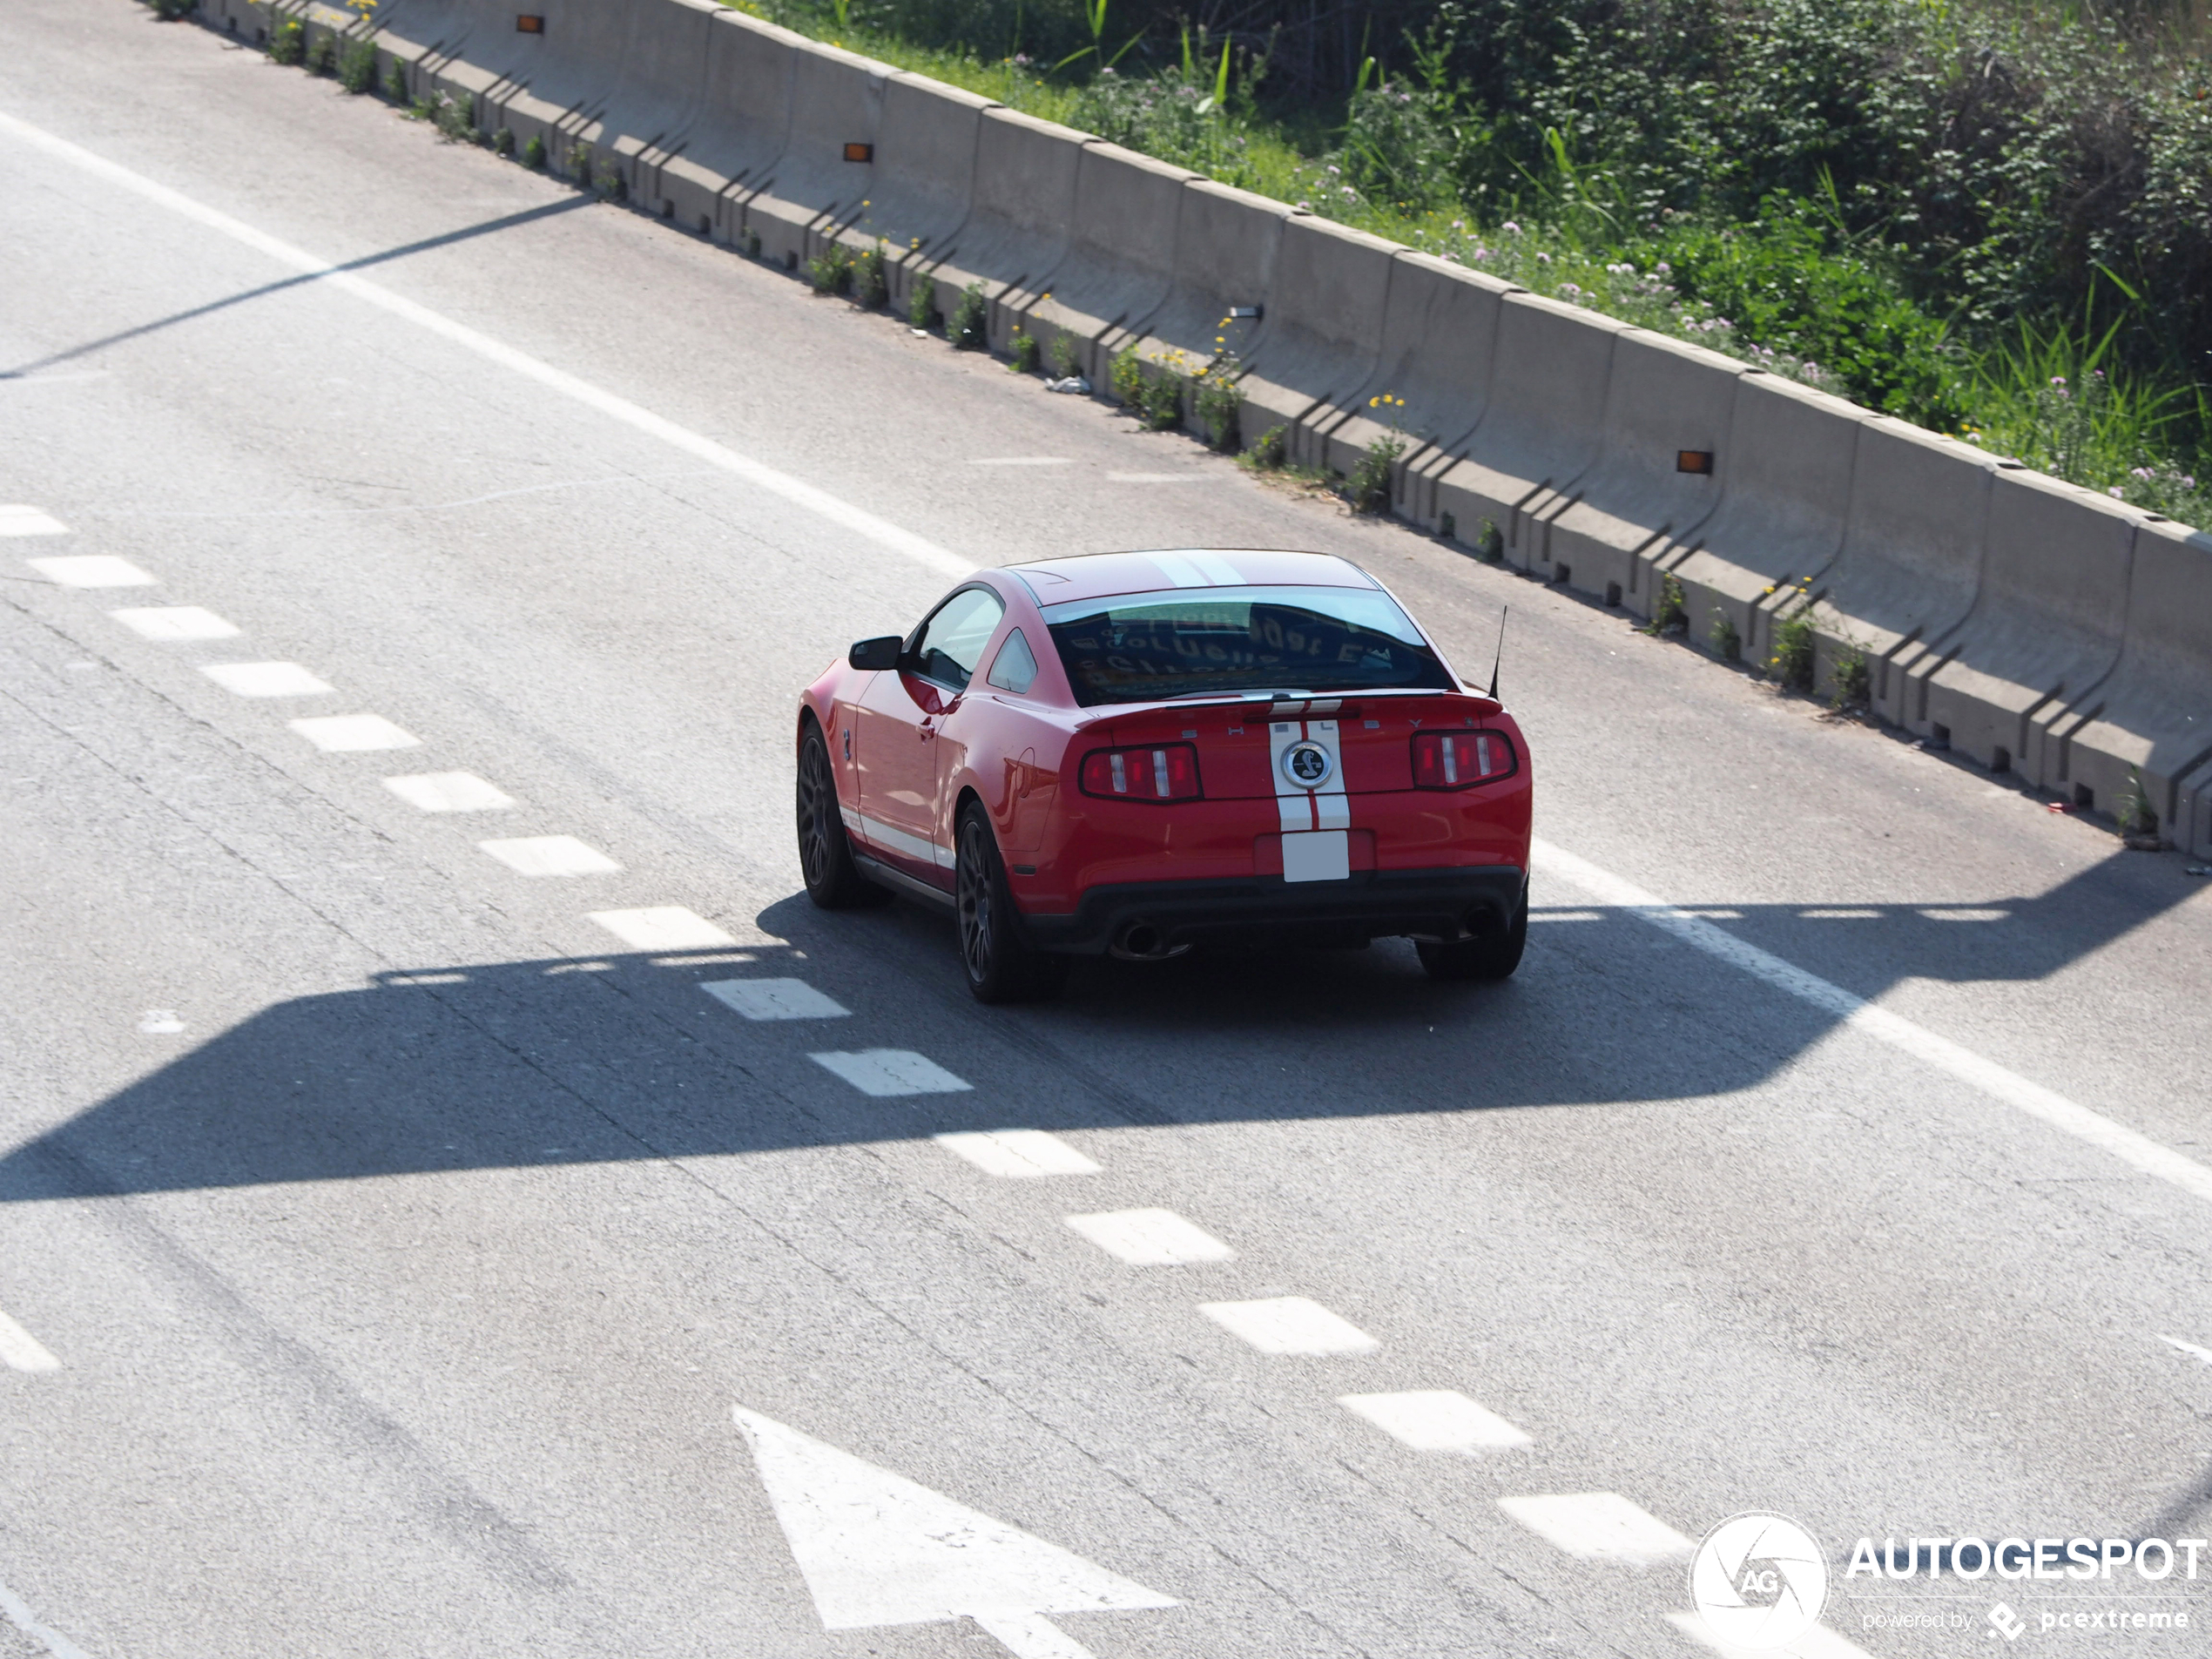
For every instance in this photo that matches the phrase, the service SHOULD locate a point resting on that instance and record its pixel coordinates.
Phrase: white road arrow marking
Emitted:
(876, 1549)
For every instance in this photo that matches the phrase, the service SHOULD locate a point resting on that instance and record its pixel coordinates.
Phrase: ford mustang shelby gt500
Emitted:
(1141, 752)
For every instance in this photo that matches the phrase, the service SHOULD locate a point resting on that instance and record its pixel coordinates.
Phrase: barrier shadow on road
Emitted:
(229, 301)
(623, 1057)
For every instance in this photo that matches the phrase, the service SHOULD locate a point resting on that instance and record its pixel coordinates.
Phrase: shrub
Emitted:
(578, 165)
(1028, 351)
(395, 83)
(1269, 451)
(1795, 641)
(1849, 684)
(1490, 542)
(1126, 376)
(533, 152)
(1065, 356)
(2133, 810)
(921, 299)
(1159, 400)
(751, 243)
(502, 142)
(969, 329)
(1670, 612)
(1728, 644)
(320, 57)
(357, 66)
(287, 41)
(1368, 489)
(830, 271)
(454, 117)
(1219, 402)
(174, 11)
(608, 180)
(872, 277)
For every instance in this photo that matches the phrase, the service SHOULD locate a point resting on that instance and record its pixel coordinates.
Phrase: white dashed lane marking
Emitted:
(1016, 1154)
(1599, 1526)
(664, 927)
(16, 519)
(775, 999)
(668, 926)
(551, 857)
(159, 1023)
(266, 679)
(20, 1350)
(175, 622)
(93, 570)
(450, 792)
(885, 1072)
(354, 733)
(1436, 1420)
(1291, 1324)
(1151, 1237)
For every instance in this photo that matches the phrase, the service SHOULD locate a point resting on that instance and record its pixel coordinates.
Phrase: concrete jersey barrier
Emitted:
(924, 175)
(1226, 241)
(743, 128)
(836, 100)
(658, 96)
(1440, 327)
(1910, 567)
(1120, 265)
(1791, 453)
(1322, 334)
(1021, 220)
(1540, 431)
(1668, 410)
(2153, 715)
(2046, 629)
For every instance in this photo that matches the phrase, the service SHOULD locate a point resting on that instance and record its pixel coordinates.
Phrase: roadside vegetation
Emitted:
(1990, 217)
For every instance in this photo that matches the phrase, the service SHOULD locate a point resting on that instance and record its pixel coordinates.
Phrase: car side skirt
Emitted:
(899, 881)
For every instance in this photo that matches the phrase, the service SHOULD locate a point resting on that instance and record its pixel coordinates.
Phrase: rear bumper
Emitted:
(1446, 904)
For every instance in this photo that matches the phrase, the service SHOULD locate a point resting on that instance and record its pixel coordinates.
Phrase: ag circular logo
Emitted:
(1307, 763)
(1759, 1582)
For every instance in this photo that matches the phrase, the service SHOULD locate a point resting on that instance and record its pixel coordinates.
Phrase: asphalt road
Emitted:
(386, 1245)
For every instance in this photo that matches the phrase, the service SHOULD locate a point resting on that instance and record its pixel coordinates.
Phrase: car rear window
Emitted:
(1143, 646)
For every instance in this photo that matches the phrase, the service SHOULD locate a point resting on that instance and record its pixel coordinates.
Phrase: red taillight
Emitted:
(1458, 759)
(1159, 771)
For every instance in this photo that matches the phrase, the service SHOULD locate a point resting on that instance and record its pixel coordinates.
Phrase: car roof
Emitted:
(1096, 576)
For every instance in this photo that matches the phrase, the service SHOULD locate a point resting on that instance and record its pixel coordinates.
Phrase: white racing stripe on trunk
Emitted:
(1993, 1080)
(761, 476)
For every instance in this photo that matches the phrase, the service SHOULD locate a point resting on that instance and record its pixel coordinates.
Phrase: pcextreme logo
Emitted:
(1759, 1582)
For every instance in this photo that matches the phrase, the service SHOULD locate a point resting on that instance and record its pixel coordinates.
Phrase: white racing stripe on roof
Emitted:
(1180, 571)
(1219, 569)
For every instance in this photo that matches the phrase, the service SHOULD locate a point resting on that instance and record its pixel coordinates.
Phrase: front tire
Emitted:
(1000, 963)
(1492, 957)
(834, 882)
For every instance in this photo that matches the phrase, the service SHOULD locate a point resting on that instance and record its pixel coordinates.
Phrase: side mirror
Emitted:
(875, 654)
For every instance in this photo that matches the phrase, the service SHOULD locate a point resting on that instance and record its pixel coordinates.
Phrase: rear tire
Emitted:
(1001, 965)
(1494, 956)
(834, 882)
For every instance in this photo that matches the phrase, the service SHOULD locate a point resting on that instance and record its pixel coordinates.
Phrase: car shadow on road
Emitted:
(621, 1057)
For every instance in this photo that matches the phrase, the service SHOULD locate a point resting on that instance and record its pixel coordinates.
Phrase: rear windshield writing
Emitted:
(1148, 646)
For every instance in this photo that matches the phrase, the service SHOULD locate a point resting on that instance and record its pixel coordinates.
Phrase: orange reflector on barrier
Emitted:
(1699, 460)
(530, 24)
(859, 152)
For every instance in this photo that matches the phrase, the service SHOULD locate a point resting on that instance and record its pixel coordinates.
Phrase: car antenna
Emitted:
(1504, 612)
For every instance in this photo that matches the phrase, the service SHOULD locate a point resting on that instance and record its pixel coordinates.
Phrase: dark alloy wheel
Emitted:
(825, 854)
(1494, 956)
(1001, 967)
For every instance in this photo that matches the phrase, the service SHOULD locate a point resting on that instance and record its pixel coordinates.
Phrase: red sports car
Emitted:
(1136, 754)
